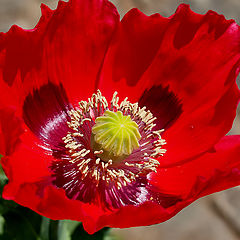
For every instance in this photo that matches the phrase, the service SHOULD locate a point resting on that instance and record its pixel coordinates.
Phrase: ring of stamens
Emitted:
(78, 142)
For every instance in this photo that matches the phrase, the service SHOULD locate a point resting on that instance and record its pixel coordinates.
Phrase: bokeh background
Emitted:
(216, 217)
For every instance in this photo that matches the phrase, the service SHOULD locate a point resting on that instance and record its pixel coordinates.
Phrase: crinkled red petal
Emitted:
(197, 131)
(21, 56)
(223, 158)
(68, 45)
(75, 44)
(131, 52)
(214, 171)
(195, 57)
(28, 163)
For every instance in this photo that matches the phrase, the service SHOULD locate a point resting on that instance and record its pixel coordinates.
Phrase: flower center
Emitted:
(116, 135)
(108, 152)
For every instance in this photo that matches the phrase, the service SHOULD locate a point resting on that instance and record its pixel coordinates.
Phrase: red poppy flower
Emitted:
(73, 151)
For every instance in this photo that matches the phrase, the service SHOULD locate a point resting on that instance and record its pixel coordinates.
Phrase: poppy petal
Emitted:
(220, 164)
(45, 112)
(10, 131)
(75, 44)
(191, 60)
(163, 104)
(198, 130)
(132, 50)
(215, 171)
(28, 163)
(212, 172)
(30, 58)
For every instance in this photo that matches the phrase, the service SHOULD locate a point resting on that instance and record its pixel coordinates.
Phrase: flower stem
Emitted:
(62, 233)
(44, 231)
(66, 228)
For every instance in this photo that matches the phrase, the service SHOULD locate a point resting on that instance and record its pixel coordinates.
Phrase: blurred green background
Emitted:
(214, 217)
